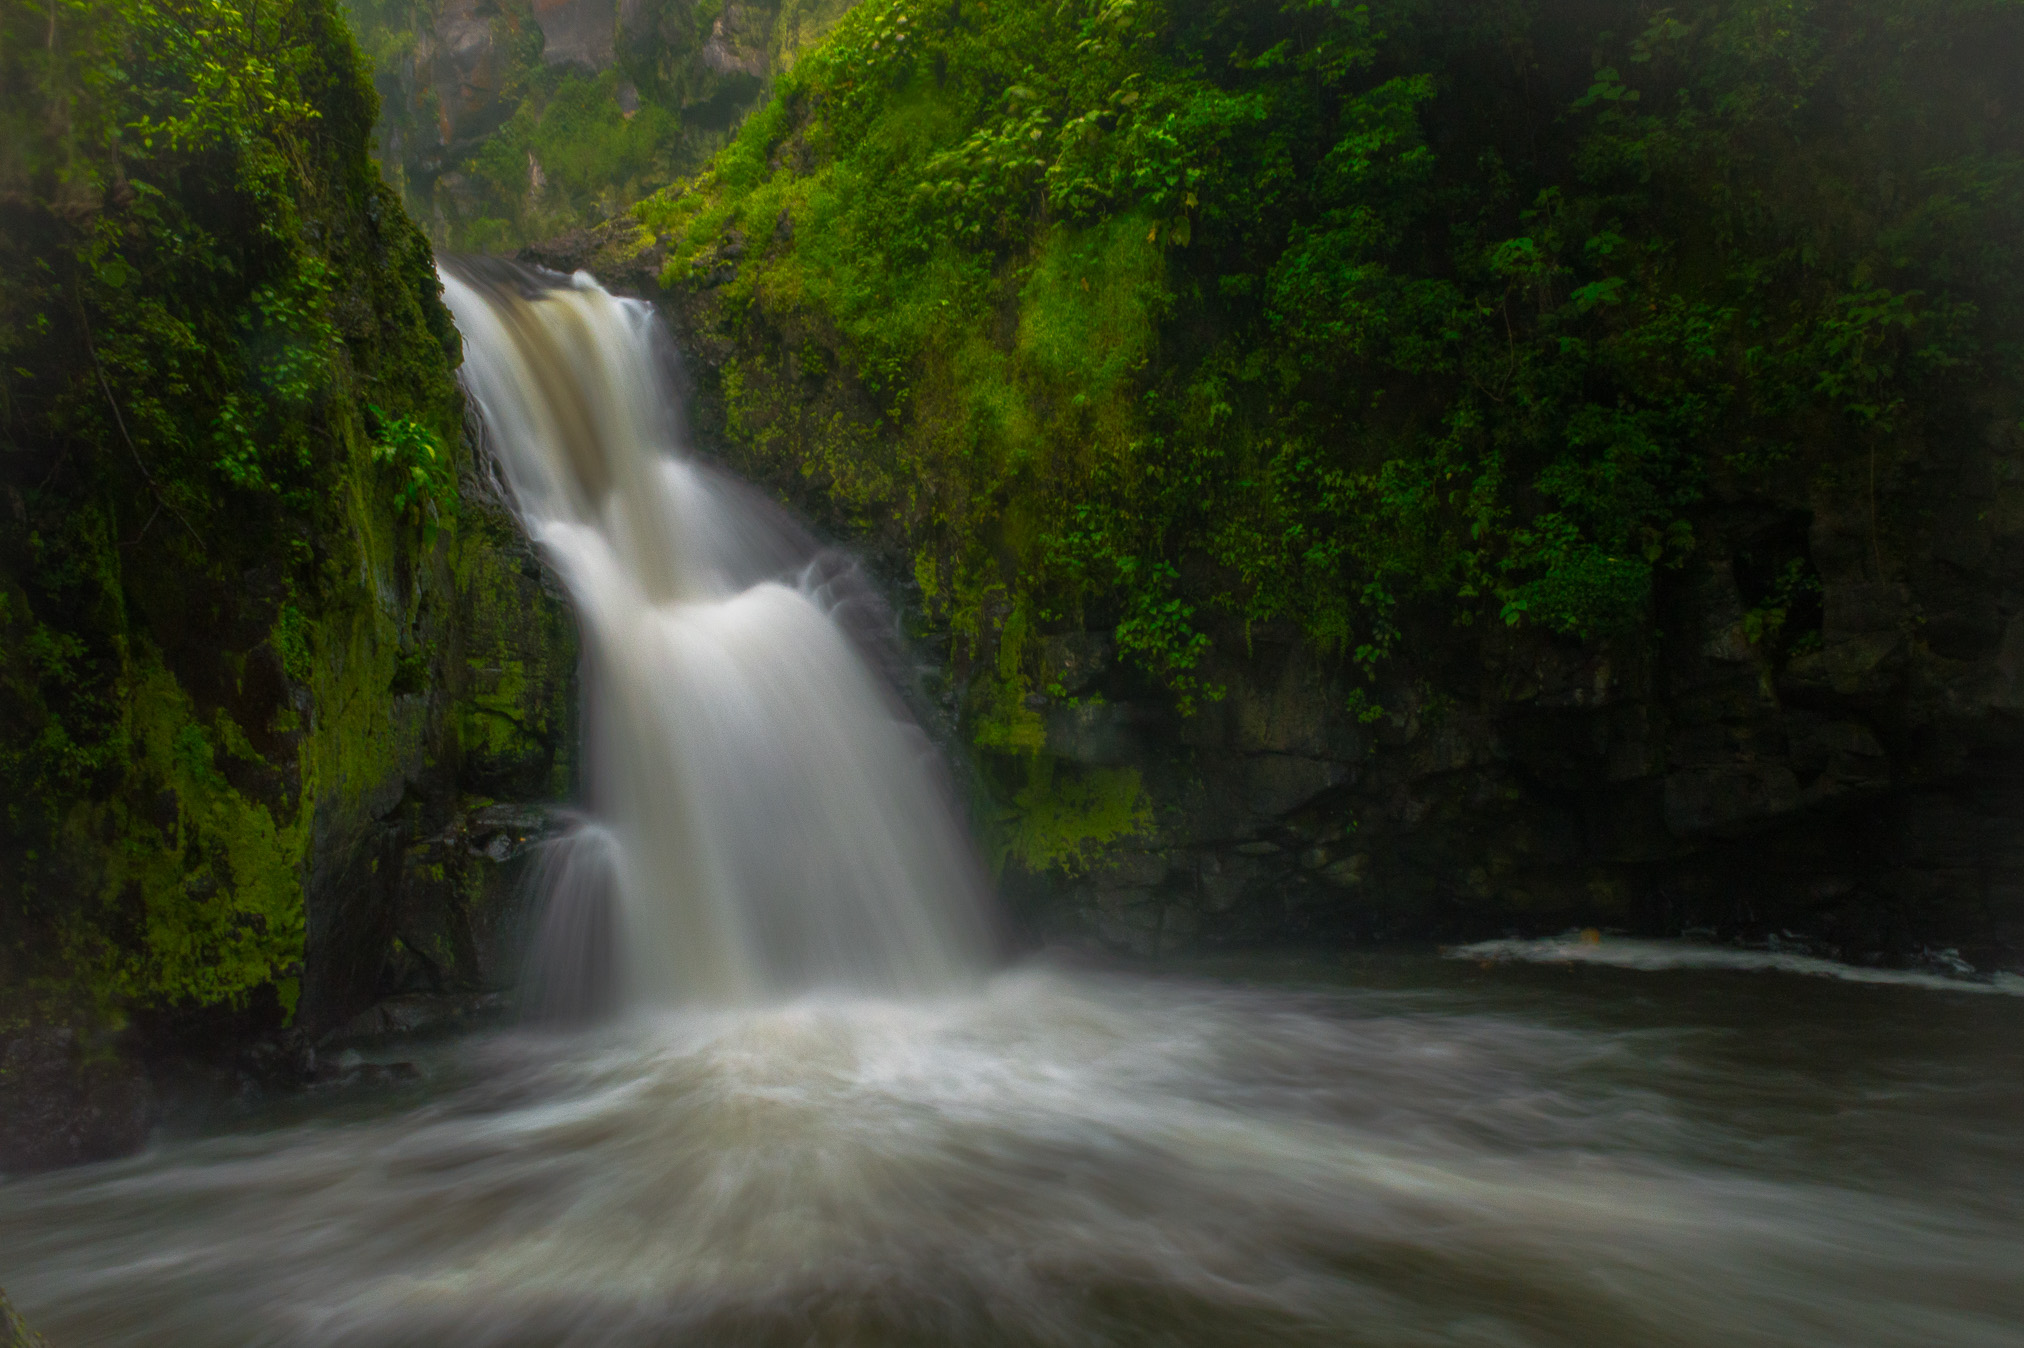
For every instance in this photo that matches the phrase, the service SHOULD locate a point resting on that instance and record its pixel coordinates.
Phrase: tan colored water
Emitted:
(773, 818)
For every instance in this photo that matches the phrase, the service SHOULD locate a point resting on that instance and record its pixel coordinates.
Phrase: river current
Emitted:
(1391, 1150)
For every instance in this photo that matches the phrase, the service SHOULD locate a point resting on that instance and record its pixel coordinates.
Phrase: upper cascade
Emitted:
(771, 818)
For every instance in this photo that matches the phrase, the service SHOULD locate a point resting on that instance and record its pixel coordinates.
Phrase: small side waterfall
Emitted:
(768, 816)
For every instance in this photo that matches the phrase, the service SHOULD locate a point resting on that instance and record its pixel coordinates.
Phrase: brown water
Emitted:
(1392, 1150)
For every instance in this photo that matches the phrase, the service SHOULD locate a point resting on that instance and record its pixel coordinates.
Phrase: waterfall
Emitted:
(766, 815)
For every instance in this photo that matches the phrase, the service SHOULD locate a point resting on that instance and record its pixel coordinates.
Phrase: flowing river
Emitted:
(1394, 1150)
(778, 1088)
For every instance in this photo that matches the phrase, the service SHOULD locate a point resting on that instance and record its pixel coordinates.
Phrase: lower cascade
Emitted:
(769, 816)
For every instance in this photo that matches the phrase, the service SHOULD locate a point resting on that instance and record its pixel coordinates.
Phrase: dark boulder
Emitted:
(63, 1101)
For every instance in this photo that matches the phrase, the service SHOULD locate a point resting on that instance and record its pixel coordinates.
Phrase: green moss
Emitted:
(1088, 313)
(1004, 723)
(211, 878)
(491, 721)
(1062, 818)
(290, 638)
(514, 718)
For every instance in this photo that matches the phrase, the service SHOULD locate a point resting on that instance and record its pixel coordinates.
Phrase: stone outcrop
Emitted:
(467, 70)
(580, 33)
(68, 1099)
(738, 41)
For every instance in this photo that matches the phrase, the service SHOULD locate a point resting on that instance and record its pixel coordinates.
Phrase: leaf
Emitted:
(1598, 293)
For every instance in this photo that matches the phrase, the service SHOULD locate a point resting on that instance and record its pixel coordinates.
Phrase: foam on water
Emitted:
(1629, 953)
(1053, 1158)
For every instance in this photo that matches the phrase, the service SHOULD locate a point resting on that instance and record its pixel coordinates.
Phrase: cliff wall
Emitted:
(1425, 471)
(271, 651)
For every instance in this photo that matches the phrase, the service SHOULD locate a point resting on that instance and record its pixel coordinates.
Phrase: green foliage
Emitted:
(420, 460)
(1794, 586)
(569, 154)
(288, 342)
(1353, 317)
(290, 639)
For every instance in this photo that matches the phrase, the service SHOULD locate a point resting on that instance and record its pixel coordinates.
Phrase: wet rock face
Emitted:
(737, 41)
(468, 71)
(412, 890)
(582, 33)
(464, 59)
(1852, 775)
(464, 905)
(61, 1103)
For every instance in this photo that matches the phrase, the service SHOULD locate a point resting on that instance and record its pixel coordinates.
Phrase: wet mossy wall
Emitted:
(264, 624)
(1469, 467)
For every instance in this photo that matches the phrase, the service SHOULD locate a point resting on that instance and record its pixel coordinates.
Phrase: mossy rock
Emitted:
(14, 1331)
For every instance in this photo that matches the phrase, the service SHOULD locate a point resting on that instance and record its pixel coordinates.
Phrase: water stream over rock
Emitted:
(772, 819)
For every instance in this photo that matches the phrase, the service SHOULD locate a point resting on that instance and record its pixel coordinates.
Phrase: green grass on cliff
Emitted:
(1159, 316)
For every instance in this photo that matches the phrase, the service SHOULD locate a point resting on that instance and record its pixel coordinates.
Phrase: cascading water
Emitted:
(770, 817)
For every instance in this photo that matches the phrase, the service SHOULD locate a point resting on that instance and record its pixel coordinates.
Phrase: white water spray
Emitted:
(769, 816)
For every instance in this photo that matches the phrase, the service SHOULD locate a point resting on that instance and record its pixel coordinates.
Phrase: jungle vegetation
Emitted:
(1165, 318)
(1175, 316)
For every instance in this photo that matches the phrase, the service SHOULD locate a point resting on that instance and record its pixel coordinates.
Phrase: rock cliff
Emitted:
(279, 679)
